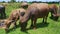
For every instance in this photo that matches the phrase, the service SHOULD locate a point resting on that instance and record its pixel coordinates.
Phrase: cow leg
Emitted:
(35, 23)
(43, 20)
(23, 26)
(31, 23)
(7, 28)
(15, 25)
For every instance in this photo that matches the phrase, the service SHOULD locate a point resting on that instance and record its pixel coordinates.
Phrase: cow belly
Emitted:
(41, 15)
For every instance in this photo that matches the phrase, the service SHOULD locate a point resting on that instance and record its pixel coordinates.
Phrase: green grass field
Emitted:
(52, 27)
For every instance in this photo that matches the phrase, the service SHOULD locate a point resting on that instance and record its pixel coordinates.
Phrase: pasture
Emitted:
(52, 27)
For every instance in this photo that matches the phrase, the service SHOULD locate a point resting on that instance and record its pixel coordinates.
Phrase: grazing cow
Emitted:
(35, 11)
(15, 14)
(53, 10)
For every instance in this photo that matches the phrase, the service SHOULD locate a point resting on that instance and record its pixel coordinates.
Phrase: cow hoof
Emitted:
(14, 27)
(7, 31)
(23, 30)
(31, 27)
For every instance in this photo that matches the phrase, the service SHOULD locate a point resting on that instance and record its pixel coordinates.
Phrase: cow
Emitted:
(14, 16)
(53, 10)
(35, 11)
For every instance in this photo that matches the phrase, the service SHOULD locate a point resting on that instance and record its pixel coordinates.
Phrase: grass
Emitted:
(52, 27)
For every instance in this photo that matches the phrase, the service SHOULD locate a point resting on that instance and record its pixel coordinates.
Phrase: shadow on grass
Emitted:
(13, 29)
(40, 25)
(25, 32)
(54, 18)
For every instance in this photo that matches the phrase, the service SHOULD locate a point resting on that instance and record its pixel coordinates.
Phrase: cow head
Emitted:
(5, 23)
(53, 10)
(54, 15)
(23, 20)
(2, 24)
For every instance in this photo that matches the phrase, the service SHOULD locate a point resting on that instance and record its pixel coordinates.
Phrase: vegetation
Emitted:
(52, 27)
(13, 1)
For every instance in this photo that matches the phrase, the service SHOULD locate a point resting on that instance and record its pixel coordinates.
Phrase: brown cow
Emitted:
(15, 14)
(35, 11)
(53, 10)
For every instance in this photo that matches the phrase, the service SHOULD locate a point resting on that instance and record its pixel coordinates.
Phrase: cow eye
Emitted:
(22, 13)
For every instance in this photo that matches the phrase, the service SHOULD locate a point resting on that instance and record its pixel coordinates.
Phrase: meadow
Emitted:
(52, 27)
